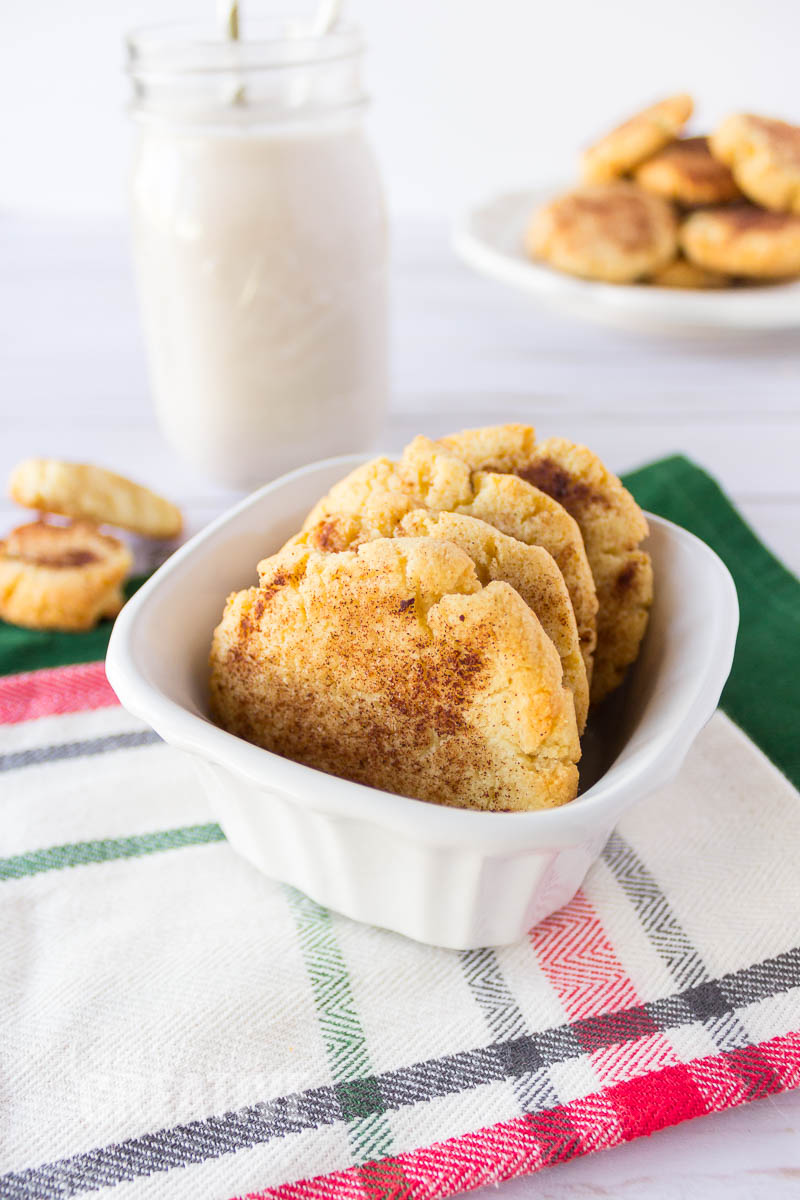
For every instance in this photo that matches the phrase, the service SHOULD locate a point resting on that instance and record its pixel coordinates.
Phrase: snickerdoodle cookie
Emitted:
(688, 173)
(93, 494)
(764, 156)
(429, 476)
(390, 665)
(616, 232)
(530, 570)
(643, 135)
(611, 523)
(743, 240)
(681, 273)
(61, 576)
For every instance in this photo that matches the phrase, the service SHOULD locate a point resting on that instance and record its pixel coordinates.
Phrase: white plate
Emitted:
(448, 876)
(490, 239)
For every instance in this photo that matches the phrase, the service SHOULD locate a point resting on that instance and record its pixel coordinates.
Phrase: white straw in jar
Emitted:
(326, 17)
(228, 16)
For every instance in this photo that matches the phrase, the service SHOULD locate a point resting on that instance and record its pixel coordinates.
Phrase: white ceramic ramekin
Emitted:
(446, 876)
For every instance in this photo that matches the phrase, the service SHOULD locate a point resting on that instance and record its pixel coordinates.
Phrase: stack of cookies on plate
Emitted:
(688, 212)
(442, 623)
(68, 575)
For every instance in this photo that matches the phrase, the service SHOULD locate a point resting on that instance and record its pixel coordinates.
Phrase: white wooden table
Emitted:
(465, 352)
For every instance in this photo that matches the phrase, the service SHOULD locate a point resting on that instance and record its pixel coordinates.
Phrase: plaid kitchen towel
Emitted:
(176, 1025)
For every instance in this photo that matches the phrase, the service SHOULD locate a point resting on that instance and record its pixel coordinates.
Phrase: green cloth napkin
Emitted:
(33, 649)
(761, 694)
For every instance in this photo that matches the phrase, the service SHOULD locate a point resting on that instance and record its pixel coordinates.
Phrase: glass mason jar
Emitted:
(260, 248)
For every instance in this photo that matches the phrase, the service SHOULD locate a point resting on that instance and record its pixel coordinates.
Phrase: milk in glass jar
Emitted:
(260, 247)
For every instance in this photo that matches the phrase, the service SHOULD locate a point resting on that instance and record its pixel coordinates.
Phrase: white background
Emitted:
(469, 95)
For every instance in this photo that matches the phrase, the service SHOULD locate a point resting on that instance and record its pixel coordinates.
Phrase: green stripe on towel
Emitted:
(359, 1095)
(79, 854)
(33, 649)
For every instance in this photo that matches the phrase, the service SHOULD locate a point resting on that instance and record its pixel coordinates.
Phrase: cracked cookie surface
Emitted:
(611, 524)
(391, 665)
(530, 570)
(429, 476)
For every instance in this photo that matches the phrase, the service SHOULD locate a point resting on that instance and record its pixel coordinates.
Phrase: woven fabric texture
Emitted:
(177, 1025)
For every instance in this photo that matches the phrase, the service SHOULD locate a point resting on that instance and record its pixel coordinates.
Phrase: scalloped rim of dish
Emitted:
(436, 825)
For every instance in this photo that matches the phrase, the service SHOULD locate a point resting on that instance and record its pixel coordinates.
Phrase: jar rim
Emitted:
(276, 43)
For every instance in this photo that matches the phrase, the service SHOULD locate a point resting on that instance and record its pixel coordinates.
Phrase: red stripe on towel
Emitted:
(52, 692)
